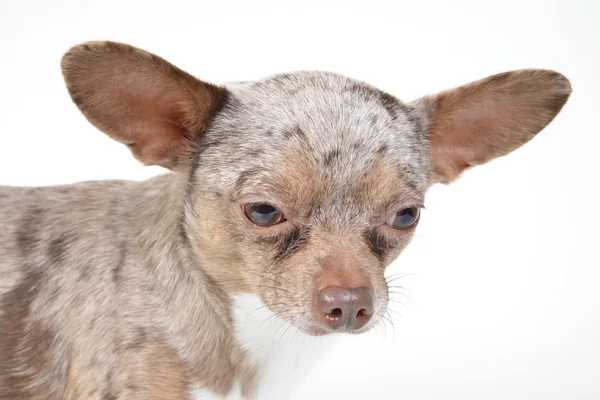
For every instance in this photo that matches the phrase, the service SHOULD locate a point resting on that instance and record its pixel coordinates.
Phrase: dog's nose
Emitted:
(343, 308)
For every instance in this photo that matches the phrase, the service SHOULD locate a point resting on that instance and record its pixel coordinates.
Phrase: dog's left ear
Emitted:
(141, 100)
(486, 119)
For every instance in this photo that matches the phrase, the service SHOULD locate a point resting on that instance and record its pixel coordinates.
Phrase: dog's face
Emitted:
(306, 182)
(304, 187)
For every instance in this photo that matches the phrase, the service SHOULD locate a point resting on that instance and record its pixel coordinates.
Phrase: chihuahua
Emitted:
(287, 200)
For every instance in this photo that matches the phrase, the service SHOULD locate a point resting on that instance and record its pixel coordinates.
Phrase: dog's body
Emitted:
(72, 288)
(163, 288)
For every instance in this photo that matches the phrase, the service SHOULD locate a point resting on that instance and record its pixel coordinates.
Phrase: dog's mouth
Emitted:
(320, 330)
(279, 320)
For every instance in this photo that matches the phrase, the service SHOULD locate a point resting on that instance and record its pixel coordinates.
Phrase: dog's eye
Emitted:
(263, 214)
(405, 219)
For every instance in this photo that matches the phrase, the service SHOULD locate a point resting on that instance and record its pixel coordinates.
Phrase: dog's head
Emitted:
(303, 187)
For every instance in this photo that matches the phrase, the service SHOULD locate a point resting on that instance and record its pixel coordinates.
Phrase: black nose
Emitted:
(343, 308)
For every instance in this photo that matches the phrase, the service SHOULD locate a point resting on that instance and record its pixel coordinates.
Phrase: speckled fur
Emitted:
(122, 290)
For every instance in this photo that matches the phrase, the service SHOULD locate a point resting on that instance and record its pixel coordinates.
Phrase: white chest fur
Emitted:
(283, 354)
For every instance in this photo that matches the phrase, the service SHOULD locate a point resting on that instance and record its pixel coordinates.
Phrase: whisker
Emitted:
(381, 328)
(265, 277)
(381, 324)
(258, 308)
(271, 274)
(395, 277)
(277, 330)
(383, 321)
(386, 318)
(265, 321)
(397, 302)
(392, 310)
(275, 288)
(284, 332)
(250, 313)
(400, 294)
(398, 287)
(375, 329)
(407, 297)
(275, 314)
(389, 318)
(294, 335)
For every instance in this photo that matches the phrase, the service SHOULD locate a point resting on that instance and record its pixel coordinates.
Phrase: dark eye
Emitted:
(263, 214)
(404, 219)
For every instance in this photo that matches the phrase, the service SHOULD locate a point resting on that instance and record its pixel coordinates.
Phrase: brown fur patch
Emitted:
(26, 367)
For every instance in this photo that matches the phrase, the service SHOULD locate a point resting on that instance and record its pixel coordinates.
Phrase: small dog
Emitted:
(288, 199)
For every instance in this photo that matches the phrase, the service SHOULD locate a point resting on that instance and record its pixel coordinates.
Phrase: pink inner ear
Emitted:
(156, 132)
(475, 131)
(488, 129)
(486, 119)
(139, 99)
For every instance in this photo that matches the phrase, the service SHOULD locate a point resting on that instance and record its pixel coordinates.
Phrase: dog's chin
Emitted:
(315, 329)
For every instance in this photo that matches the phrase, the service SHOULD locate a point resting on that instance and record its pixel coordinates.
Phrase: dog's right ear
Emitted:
(141, 100)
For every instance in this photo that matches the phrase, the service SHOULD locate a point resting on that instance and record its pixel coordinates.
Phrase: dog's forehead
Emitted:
(333, 131)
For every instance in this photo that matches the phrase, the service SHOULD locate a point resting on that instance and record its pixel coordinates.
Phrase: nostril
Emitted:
(364, 315)
(336, 312)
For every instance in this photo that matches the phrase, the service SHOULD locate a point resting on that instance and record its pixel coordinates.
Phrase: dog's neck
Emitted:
(194, 312)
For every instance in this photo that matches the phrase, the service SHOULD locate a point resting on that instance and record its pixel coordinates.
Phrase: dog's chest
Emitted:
(284, 354)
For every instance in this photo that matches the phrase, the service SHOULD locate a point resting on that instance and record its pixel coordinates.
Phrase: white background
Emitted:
(504, 296)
